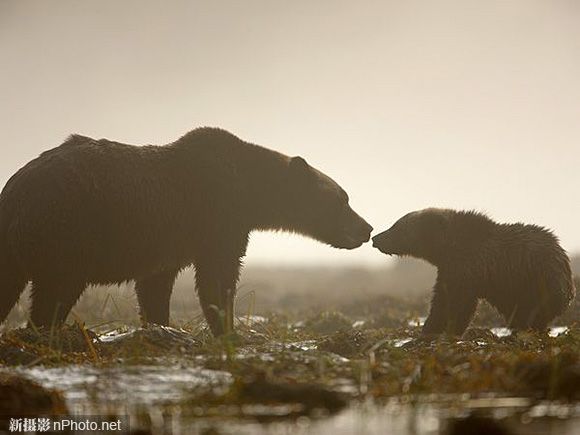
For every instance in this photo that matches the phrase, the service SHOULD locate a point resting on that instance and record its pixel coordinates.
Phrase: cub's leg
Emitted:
(525, 317)
(452, 309)
(52, 301)
(154, 294)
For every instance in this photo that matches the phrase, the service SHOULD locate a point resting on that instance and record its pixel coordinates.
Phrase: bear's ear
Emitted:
(298, 165)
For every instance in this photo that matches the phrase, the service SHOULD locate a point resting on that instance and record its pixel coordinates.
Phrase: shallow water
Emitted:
(553, 331)
(396, 418)
(126, 390)
(122, 388)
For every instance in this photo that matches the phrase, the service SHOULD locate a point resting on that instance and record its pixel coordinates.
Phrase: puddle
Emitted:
(417, 322)
(250, 321)
(305, 346)
(162, 336)
(553, 331)
(421, 418)
(402, 341)
(164, 390)
(556, 331)
(85, 387)
(501, 332)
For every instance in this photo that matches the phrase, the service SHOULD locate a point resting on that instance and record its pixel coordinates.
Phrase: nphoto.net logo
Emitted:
(67, 424)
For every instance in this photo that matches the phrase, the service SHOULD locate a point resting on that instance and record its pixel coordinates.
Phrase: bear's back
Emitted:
(532, 254)
(84, 180)
(528, 240)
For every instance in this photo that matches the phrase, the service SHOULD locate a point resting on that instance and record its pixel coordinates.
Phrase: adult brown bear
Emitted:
(520, 269)
(101, 212)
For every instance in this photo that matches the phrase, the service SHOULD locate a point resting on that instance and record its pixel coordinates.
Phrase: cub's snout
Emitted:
(383, 243)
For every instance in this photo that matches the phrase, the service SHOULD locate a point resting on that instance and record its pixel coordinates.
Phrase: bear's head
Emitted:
(420, 234)
(316, 206)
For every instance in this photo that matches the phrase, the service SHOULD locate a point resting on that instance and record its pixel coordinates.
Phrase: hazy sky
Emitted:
(407, 104)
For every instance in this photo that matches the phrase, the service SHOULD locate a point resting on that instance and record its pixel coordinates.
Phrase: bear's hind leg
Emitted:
(154, 294)
(11, 286)
(52, 301)
(452, 309)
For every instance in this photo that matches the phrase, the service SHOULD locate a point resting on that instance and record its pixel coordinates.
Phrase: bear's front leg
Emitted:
(216, 287)
(452, 308)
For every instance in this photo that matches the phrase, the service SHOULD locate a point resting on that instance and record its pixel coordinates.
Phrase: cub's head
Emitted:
(318, 207)
(420, 234)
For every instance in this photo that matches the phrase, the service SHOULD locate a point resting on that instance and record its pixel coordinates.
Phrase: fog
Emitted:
(463, 104)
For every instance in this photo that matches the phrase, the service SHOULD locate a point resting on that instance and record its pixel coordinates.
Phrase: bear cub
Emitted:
(519, 269)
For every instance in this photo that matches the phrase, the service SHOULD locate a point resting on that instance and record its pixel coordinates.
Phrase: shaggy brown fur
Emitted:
(520, 269)
(101, 212)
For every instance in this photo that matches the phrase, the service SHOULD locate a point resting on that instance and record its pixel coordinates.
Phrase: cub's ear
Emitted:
(298, 165)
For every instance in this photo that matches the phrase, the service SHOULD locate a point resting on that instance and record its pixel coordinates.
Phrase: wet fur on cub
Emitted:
(519, 269)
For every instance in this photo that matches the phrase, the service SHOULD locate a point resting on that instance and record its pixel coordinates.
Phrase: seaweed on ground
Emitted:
(302, 364)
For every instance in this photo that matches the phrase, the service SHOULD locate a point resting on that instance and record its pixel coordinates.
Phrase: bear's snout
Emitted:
(354, 235)
(366, 231)
(381, 242)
